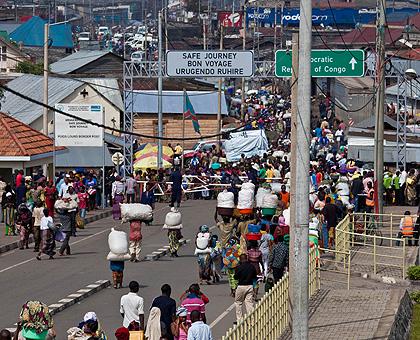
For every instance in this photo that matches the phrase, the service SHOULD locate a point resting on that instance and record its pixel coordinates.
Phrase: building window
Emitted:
(3, 54)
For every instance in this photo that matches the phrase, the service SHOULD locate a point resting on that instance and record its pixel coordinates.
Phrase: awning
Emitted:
(83, 156)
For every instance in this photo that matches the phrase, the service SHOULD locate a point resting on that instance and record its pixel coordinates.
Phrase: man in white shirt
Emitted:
(131, 306)
(198, 330)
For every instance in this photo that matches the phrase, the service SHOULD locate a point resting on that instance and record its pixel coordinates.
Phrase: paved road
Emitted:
(22, 277)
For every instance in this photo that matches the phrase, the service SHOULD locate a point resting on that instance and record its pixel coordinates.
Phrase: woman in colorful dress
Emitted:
(231, 254)
(50, 194)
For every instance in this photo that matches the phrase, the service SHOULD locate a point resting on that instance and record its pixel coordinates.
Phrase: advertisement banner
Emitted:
(73, 132)
(229, 19)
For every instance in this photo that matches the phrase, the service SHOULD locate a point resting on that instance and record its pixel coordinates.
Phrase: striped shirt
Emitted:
(191, 303)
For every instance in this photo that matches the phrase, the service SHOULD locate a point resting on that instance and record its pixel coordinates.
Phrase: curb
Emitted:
(163, 251)
(74, 298)
(14, 245)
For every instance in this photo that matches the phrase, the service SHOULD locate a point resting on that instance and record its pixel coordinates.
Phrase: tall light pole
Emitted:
(379, 110)
(160, 86)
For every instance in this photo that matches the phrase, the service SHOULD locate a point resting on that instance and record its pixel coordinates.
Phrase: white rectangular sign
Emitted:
(220, 64)
(73, 132)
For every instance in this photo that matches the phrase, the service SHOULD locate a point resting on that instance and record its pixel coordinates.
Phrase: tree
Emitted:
(29, 67)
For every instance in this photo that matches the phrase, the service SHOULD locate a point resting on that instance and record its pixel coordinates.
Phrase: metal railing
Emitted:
(360, 236)
(270, 317)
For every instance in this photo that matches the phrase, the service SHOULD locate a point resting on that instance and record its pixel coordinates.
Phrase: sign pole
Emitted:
(103, 162)
(184, 97)
(54, 156)
(243, 48)
(160, 88)
(219, 102)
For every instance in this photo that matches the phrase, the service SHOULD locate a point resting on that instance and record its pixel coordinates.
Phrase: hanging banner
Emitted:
(73, 132)
(229, 19)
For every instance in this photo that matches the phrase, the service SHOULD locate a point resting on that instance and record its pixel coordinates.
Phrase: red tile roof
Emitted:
(367, 35)
(18, 139)
(412, 54)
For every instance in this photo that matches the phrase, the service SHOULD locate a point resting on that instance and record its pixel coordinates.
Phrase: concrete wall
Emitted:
(400, 329)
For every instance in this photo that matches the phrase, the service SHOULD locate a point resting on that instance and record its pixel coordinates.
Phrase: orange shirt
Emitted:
(285, 196)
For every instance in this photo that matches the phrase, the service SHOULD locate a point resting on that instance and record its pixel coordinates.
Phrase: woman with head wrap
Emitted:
(179, 327)
(122, 333)
(35, 321)
(154, 328)
(203, 250)
(231, 254)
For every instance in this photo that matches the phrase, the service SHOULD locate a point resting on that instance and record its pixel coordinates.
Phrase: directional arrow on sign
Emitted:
(353, 62)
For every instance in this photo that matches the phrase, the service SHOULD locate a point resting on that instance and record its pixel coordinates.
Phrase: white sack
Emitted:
(225, 199)
(118, 257)
(136, 211)
(270, 201)
(117, 242)
(245, 199)
(173, 218)
(248, 186)
(261, 192)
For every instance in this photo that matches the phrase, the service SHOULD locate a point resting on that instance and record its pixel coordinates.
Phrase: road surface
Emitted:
(24, 278)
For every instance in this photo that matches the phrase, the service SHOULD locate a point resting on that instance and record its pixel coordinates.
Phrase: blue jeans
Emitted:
(82, 213)
(325, 235)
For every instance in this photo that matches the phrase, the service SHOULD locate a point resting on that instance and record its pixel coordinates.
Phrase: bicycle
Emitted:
(370, 230)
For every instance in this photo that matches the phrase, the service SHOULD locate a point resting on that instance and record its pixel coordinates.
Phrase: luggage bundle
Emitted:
(254, 232)
(65, 205)
(269, 204)
(225, 203)
(136, 211)
(173, 219)
(246, 198)
(202, 244)
(118, 246)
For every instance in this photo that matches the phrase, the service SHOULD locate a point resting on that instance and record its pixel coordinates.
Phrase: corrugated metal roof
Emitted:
(109, 88)
(9, 27)
(204, 102)
(31, 86)
(76, 60)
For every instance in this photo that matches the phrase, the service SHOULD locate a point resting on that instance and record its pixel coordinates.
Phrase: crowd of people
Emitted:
(167, 320)
(338, 185)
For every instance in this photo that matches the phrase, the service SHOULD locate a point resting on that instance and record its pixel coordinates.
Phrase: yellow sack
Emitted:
(80, 222)
(136, 335)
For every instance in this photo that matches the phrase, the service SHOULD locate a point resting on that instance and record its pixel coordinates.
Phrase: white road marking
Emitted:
(221, 316)
(72, 243)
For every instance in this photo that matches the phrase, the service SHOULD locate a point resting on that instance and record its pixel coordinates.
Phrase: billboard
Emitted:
(229, 19)
(73, 132)
(344, 17)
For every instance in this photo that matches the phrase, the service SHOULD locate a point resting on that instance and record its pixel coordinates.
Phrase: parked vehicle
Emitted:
(103, 30)
(84, 36)
(202, 146)
(137, 56)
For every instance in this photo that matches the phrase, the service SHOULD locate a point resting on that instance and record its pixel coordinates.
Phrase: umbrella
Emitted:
(150, 163)
(146, 156)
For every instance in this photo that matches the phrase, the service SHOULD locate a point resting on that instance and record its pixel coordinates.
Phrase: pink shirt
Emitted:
(192, 303)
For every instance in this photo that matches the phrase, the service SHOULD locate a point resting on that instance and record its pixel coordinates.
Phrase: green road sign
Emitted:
(325, 63)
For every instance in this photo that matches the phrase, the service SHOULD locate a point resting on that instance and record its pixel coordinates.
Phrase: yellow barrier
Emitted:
(361, 235)
(270, 317)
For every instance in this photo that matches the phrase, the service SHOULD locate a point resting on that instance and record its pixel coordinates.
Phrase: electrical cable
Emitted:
(119, 130)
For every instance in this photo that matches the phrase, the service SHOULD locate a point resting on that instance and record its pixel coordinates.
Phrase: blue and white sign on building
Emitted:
(73, 132)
